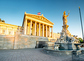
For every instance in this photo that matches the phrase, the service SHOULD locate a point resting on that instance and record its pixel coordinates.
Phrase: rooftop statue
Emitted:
(65, 18)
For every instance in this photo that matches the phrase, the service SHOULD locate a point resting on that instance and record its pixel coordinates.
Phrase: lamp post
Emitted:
(81, 24)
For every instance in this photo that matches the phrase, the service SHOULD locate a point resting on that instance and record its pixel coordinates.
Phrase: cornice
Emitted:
(39, 17)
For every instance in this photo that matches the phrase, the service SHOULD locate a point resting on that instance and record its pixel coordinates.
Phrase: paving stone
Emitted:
(29, 55)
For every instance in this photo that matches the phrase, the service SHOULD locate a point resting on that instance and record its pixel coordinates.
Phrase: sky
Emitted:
(12, 11)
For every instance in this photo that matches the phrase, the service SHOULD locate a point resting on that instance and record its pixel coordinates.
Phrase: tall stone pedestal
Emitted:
(65, 30)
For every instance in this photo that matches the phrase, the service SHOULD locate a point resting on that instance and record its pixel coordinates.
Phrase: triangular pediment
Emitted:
(39, 17)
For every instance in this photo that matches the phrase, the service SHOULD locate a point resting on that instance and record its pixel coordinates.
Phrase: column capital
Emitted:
(52, 26)
(46, 24)
(25, 18)
(30, 20)
(42, 24)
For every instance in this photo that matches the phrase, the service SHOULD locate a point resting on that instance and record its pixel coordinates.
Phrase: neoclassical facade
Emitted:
(37, 25)
(34, 25)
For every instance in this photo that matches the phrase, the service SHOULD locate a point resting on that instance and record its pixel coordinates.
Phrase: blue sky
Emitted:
(12, 11)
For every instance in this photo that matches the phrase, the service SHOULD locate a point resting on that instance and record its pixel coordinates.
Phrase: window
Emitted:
(3, 31)
(9, 32)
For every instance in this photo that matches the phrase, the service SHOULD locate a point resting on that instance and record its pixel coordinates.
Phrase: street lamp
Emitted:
(81, 24)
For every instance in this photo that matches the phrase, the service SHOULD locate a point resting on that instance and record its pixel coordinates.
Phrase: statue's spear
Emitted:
(81, 23)
(69, 12)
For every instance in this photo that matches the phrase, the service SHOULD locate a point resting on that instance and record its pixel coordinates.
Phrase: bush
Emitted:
(81, 40)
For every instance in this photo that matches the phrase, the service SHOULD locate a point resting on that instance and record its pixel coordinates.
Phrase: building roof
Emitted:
(38, 18)
(10, 25)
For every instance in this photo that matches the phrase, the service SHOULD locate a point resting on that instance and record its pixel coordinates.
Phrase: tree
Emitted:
(81, 40)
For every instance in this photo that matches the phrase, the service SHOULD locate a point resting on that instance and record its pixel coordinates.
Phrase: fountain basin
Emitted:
(63, 48)
(61, 52)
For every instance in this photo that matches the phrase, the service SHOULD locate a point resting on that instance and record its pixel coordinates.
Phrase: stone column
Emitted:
(30, 26)
(6, 31)
(46, 30)
(0, 29)
(39, 29)
(43, 30)
(35, 28)
(12, 31)
(52, 32)
(25, 26)
(49, 31)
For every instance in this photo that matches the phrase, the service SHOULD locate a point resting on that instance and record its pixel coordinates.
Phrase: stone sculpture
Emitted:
(66, 41)
(65, 26)
(65, 18)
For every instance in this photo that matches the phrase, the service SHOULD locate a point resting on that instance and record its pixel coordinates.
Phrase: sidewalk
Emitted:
(29, 55)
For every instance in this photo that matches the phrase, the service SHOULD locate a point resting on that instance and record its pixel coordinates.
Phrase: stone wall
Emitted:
(26, 41)
(20, 41)
(6, 42)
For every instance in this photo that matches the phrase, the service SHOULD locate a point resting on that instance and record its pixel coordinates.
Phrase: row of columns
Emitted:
(6, 31)
(0, 30)
(25, 29)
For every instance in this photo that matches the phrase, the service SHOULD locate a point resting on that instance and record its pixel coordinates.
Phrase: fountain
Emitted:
(66, 43)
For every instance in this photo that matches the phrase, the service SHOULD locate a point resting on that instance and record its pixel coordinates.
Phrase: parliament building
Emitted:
(33, 25)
